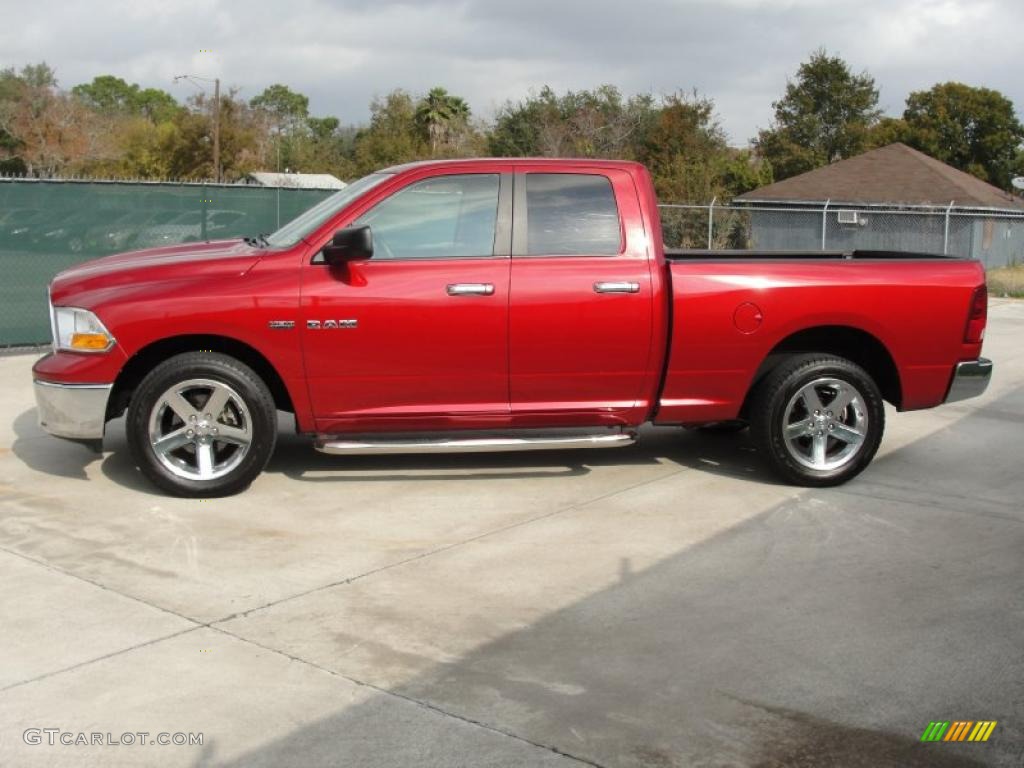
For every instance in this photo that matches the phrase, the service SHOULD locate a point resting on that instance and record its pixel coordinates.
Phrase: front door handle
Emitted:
(620, 286)
(470, 289)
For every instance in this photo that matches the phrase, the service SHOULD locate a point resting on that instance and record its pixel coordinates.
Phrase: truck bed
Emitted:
(733, 310)
(686, 254)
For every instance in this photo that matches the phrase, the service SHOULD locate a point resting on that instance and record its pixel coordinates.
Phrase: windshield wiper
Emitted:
(259, 241)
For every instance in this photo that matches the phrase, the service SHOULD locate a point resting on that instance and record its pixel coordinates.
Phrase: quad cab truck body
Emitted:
(490, 305)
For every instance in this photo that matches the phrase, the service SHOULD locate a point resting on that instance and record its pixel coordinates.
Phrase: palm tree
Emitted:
(439, 115)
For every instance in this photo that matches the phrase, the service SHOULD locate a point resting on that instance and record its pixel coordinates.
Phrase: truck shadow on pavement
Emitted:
(44, 453)
(731, 455)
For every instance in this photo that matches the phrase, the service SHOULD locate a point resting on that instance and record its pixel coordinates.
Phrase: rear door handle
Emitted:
(617, 287)
(470, 289)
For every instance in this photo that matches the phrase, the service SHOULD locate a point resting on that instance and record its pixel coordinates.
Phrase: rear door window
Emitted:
(571, 214)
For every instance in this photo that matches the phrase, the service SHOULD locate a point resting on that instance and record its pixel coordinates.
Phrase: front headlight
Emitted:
(79, 330)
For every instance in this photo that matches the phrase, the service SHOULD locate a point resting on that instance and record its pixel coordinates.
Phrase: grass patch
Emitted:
(1006, 281)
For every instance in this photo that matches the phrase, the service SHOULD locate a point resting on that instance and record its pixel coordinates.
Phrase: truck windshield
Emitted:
(307, 223)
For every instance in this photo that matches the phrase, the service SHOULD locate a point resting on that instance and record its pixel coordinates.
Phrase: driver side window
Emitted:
(440, 217)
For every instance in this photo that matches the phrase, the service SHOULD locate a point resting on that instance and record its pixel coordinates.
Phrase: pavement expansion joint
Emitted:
(411, 700)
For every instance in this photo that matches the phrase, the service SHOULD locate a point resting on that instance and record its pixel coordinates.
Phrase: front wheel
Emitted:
(818, 419)
(202, 424)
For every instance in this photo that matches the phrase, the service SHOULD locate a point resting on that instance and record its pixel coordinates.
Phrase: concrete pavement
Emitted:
(668, 604)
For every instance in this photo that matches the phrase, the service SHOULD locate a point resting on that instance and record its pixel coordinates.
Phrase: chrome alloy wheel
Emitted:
(200, 429)
(825, 424)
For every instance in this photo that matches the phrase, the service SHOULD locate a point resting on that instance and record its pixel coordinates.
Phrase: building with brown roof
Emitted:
(889, 198)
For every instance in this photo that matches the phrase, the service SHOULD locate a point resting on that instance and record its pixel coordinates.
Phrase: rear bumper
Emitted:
(970, 379)
(75, 411)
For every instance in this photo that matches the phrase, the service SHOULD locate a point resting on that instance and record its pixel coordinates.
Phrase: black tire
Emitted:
(779, 407)
(231, 463)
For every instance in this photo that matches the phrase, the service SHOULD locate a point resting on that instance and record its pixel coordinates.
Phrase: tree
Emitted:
(44, 129)
(156, 105)
(139, 123)
(442, 118)
(286, 107)
(39, 76)
(690, 160)
(517, 128)
(676, 136)
(239, 136)
(681, 148)
(145, 150)
(113, 96)
(283, 114)
(10, 90)
(107, 93)
(327, 147)
(973, 129)
(189, 148)
(888, 130)
(392, 136)
(576, 124)
(825, 115)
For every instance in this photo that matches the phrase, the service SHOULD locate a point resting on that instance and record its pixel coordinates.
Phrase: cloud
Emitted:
(341, 54)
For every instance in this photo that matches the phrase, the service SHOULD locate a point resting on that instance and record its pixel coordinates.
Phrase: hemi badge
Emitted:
(282, 325)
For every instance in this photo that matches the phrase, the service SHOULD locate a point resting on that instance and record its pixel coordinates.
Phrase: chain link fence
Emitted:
(996, 238)
(49, 225)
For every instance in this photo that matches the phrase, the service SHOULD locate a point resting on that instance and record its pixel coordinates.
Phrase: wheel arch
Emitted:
(854, 344)
(143, 361)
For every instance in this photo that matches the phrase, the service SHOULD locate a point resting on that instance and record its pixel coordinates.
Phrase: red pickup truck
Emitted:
(494, 305)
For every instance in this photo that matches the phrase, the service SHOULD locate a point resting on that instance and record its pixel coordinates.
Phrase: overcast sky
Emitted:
(342, 53)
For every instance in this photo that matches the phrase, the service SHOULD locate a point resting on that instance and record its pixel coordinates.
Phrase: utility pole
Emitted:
(216, 130)
(216, 116)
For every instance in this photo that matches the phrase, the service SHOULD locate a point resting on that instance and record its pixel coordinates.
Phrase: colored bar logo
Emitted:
(958, 730)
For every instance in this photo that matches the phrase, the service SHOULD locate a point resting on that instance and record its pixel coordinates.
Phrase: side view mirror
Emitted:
(349, 244)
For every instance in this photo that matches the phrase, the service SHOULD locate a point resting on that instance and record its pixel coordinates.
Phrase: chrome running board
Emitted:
(342, 447)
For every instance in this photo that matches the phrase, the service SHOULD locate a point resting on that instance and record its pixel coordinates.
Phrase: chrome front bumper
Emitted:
(76, 411)
(970, 379)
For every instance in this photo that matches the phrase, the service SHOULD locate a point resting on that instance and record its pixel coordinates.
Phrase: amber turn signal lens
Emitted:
(90, 341)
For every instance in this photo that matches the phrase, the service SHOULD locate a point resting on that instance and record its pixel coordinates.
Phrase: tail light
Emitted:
(977, 318)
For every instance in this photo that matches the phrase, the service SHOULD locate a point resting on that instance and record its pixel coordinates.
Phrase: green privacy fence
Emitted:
(50, 225)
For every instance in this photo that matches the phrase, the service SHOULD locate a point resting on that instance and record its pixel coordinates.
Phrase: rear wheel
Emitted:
(818, 419)
(202, 424)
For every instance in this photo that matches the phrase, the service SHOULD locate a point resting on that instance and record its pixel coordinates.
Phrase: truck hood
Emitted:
(189, 260)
